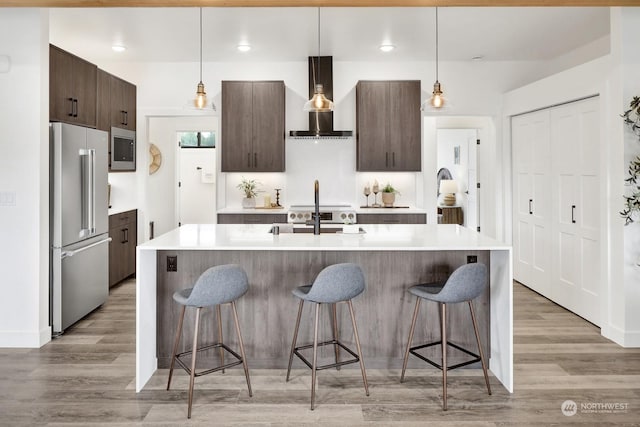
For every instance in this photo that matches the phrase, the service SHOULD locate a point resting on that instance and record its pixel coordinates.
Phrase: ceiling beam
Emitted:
(309, 3)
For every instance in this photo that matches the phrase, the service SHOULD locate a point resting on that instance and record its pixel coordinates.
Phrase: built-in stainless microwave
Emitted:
(123, 150)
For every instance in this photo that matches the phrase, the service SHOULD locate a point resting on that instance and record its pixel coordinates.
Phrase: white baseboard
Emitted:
(627, 339)
(25, 339)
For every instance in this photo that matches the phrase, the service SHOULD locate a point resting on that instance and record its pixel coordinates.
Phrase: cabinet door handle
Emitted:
(71, 105)
(573, 212)
(255, 160)
(75, 111)
(386, 159)
(393, 159)
(248, 160)
(530, 210)
(126, 118)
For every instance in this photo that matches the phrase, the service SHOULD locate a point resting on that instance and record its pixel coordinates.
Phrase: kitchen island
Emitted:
(393, 257)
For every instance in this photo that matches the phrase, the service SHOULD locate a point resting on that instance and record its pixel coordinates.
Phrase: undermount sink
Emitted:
(309, 230)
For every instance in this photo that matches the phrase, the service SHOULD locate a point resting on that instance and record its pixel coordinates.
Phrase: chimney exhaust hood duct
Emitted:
(321, 124)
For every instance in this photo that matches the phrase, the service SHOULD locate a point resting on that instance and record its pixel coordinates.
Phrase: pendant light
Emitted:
(318, 102)
(201, 96)
(437, 101)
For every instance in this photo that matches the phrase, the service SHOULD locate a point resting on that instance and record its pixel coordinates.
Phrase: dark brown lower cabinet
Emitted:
(251, 218)
(123, 230)
(388, 218)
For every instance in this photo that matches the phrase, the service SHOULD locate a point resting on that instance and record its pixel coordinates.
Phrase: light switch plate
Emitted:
(7, 198)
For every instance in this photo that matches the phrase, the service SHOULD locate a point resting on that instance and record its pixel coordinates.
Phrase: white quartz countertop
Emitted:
(377, 237)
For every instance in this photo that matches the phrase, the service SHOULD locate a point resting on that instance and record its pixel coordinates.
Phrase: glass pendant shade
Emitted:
(318, 103)
(201, 97)
(437, 100)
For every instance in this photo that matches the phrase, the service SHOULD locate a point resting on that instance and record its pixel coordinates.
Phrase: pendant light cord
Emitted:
(313, 65)
(200, 45)
(436, 44)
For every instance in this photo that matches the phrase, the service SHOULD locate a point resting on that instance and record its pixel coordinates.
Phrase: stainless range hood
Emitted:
(321, 124)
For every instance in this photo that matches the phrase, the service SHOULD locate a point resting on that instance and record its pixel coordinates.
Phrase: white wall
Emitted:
(627, 22)
(24, 175)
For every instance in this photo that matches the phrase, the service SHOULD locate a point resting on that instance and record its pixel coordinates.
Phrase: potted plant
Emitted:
(250, 189)
(389, 195)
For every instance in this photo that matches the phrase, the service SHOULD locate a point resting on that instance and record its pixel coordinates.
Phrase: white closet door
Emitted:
(532, 171)
(576, 222)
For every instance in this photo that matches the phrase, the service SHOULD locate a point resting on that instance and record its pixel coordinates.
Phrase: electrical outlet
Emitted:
(172, 263)
(472, 259)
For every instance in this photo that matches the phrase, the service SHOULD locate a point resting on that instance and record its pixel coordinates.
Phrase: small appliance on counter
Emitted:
(79, 227)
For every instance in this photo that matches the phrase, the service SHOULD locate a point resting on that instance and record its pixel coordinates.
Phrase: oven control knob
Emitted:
(307, 215)
(350, 216)
(292, 216)
(299, 215)
(343, 216)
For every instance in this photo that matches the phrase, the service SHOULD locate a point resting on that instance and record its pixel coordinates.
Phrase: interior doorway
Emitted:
(196, 174)
(458, 161)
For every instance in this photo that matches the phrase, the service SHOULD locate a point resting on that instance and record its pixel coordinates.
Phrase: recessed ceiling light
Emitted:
(244, 47)
(118, 48)
(477, 58)
(387, 47)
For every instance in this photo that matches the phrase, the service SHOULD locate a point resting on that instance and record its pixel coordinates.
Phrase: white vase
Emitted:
(249, 203)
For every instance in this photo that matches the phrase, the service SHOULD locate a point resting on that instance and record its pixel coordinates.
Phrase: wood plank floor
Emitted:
(86, 377)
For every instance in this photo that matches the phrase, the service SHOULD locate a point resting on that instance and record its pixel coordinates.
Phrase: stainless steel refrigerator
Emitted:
(79, 276)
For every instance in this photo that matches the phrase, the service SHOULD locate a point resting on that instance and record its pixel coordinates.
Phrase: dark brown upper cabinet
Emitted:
(252, 129)
(388, 126)
(116, 103)
(72, 88)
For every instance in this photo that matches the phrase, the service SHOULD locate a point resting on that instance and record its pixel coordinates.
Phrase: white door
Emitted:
(196, 185)
(576, 194)
(532, 200)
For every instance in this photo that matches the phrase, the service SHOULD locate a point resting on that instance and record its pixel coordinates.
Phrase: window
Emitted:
(197, 139)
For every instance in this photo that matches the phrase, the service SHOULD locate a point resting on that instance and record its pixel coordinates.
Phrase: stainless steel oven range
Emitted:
(329, 214)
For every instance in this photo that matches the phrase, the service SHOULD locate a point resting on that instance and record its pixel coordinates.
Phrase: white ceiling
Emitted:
(290, 34)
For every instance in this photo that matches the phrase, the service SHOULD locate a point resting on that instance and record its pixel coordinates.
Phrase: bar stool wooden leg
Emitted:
(315, 357)
(444, 355)
(295, 337)
(244, 357)
(193, 360)
(480, 352)
(219, 315)
(411, 331)
(355, 333)
(335, 332)
(175, 345)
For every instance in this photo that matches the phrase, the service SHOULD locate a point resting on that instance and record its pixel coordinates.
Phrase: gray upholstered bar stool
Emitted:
(336, 283)
(464, 285)
(218, 285)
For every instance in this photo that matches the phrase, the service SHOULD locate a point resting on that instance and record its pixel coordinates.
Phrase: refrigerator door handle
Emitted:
(66, 254)
(87, 176)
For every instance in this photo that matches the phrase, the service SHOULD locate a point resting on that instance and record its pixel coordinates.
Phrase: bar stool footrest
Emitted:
(208, 371)
(355, 359)
(476, 358)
